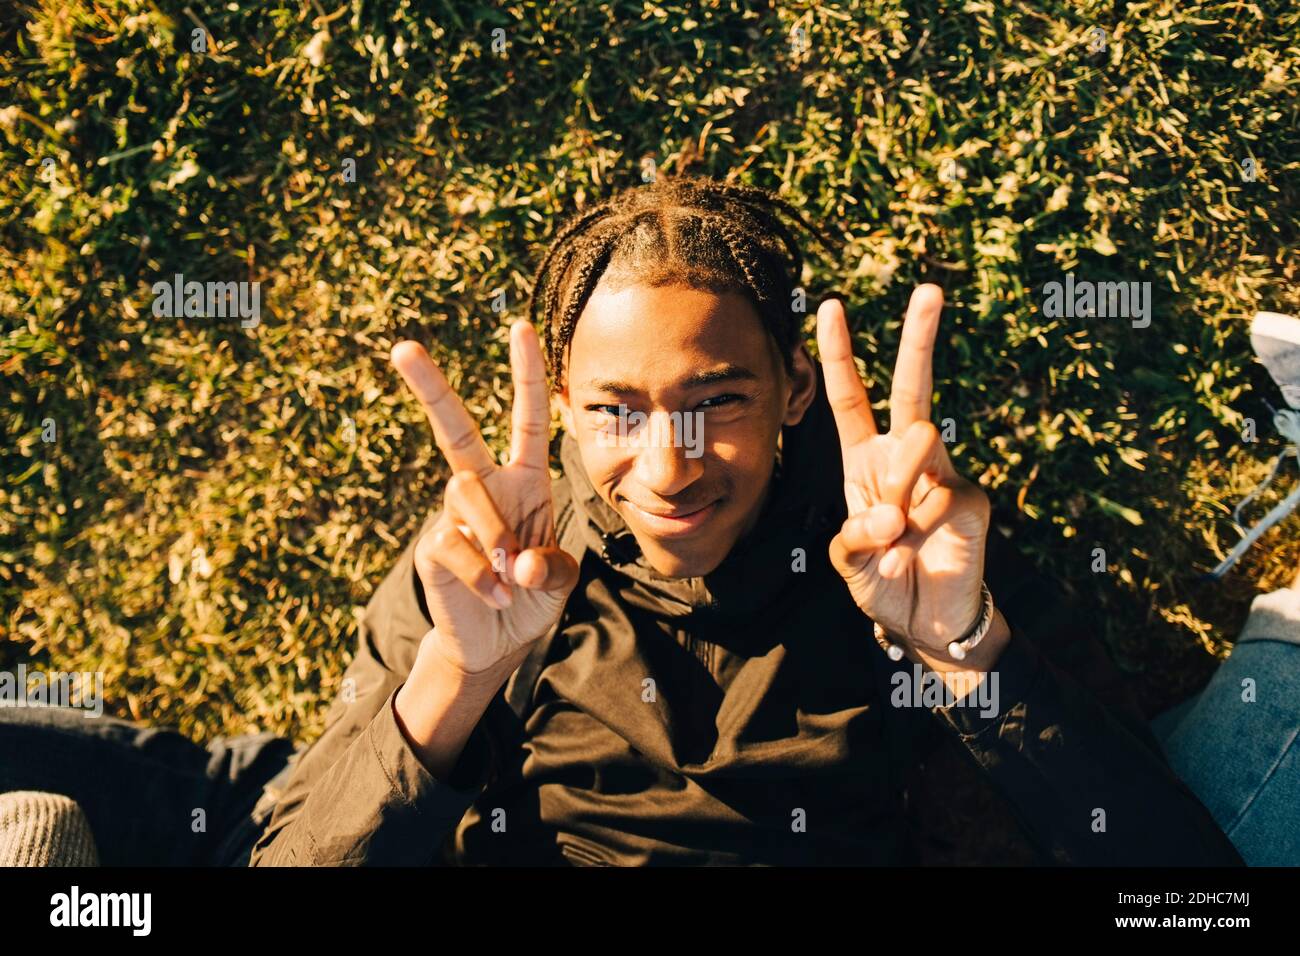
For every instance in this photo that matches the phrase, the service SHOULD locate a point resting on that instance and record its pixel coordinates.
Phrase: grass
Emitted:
(219, 502)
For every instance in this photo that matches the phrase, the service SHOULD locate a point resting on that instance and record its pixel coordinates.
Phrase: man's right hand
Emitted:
(493, 576)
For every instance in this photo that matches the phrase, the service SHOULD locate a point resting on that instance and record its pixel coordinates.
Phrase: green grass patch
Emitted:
(204, 530)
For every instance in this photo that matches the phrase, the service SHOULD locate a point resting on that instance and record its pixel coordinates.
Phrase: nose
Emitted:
(662, 464)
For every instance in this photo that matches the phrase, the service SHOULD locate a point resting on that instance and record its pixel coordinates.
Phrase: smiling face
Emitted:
(676, 397)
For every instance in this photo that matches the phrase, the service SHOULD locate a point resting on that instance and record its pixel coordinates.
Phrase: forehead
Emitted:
(646, 335)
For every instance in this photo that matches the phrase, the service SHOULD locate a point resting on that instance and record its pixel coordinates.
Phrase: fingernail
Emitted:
(889, 564)
(502, 595)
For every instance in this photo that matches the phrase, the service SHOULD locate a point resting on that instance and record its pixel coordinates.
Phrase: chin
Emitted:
(675, 561)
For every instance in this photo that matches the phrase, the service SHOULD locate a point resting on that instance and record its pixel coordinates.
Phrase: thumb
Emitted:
(546, 569)
(865, 535)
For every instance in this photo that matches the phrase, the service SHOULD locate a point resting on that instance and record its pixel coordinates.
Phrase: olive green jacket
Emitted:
(746, 717)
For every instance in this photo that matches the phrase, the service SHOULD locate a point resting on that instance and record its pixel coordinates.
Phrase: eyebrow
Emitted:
(724, 373)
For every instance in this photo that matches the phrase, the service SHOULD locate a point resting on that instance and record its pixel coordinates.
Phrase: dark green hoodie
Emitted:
(745, 717)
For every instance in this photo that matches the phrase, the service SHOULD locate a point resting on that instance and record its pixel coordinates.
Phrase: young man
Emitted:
(658, 659)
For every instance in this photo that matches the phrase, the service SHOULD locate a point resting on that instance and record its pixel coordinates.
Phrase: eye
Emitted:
(720, 400)
(610, 410)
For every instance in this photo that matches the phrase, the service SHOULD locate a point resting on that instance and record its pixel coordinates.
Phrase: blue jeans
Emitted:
(1236, 744)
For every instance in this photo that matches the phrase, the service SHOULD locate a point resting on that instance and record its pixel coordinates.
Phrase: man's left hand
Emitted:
(912, 547)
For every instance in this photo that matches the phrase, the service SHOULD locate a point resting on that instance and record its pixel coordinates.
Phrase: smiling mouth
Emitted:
(675, 523)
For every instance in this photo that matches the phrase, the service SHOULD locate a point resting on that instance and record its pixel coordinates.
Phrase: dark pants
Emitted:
(152, 797)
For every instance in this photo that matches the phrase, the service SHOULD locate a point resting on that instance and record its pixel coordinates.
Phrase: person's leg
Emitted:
(151, 796)
(1166, 723)
(1237, 743)
(252, 769)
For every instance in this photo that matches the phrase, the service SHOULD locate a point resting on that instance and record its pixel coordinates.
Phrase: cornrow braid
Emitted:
(703, 233)
(733, 235)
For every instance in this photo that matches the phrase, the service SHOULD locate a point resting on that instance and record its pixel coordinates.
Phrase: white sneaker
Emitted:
(1276, 340)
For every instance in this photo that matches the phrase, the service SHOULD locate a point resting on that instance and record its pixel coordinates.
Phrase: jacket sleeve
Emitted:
(1089, 782)
(360, 795)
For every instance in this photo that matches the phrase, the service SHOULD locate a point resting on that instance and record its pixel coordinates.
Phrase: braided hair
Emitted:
(702, 233)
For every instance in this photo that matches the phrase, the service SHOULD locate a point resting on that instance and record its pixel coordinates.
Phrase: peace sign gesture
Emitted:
(497, 526)
(912, 547)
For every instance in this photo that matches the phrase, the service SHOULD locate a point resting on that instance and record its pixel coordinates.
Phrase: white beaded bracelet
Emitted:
(958, 649)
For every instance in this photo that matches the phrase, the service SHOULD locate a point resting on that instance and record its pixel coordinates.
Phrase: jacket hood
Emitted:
(804, 510)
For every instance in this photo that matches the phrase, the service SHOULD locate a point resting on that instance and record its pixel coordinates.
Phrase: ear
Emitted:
(560, 402)
(803, 386)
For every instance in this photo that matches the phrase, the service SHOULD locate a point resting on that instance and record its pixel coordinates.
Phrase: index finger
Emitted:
(530, 419)
(913, 386)
(454, 430)
(844, 389)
